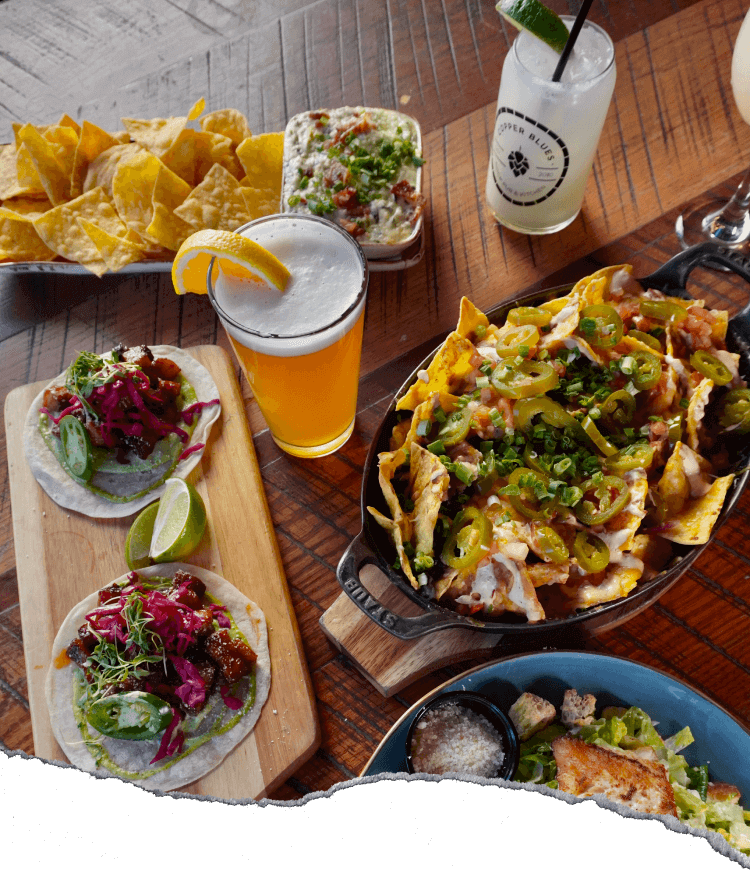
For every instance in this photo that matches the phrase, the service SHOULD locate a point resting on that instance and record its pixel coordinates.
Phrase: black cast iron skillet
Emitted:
(373, 546)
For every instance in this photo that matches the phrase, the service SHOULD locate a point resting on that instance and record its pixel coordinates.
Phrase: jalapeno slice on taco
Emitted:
(158, 676)
(104, 436)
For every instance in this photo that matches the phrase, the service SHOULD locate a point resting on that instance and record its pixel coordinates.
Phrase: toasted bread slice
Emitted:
(585, 769)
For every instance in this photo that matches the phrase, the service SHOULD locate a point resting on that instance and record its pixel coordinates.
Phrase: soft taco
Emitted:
(158, 676)
(103, 437)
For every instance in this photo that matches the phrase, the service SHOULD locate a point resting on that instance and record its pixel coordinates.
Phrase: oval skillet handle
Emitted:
(673, 275)
(358, 555)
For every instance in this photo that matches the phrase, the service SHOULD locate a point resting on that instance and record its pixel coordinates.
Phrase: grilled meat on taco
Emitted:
(158, 676)
(102, 437)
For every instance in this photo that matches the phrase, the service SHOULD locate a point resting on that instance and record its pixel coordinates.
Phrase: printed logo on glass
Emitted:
(529, 162)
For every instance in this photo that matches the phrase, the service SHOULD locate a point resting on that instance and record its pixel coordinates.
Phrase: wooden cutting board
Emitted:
(62, 556)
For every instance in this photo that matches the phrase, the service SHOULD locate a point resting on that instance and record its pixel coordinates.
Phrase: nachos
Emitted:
(551, 463)
(104, 436)
(158, 676)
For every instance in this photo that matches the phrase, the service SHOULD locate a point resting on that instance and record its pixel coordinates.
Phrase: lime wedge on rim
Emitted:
(179, 524)
(537, 19)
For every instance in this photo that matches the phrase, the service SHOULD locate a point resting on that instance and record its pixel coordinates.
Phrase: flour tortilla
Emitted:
(61, 488)
(135, 756)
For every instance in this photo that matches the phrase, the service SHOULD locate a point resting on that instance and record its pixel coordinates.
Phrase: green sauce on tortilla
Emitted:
(215, 719)
(146, 473)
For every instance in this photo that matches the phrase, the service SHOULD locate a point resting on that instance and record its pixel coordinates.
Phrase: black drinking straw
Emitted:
(575, 30)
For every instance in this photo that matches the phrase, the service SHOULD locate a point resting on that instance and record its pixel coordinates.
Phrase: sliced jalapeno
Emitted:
(666, 311)
(76, 448)
(645, 338)
(648, 369)
(526, 501)
(524, 379)
(736, 411)
(529, 316)
(709, 366)
(553, 413)
(551, 546)
(629, 458)
(591, 553)
(611, 495)
(601, 324)
(455, 429)
(468, 540)
(133, 715)
(618, 409)
(596, 437)
(511, 338)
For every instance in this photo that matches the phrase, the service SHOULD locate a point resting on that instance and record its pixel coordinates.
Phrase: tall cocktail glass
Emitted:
(726, 223)
(300, 349)
(546, 132)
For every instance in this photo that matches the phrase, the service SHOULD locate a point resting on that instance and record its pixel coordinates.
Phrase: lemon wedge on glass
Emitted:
(538, 19)
(235, 255)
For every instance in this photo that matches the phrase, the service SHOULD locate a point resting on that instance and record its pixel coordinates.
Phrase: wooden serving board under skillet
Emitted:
(62, 556)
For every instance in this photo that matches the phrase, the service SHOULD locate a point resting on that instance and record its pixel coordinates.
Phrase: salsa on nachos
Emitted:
(550, 464)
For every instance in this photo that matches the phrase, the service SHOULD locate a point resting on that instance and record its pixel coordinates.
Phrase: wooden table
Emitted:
(673, 135)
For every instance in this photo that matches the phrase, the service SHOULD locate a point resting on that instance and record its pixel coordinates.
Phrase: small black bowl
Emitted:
(480, 705)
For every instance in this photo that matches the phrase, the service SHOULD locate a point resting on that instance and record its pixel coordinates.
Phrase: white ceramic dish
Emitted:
(375, 252)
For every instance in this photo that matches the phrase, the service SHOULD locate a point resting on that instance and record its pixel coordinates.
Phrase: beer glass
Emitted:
(300, 349)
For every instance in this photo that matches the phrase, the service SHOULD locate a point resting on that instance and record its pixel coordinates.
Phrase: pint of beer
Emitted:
(300, 349)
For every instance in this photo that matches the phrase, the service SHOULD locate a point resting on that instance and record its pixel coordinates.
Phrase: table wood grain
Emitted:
(673, 135)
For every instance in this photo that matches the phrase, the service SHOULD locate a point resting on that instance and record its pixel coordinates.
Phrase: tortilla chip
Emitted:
(695, 521)
(67, 122)
(167, 229)
(396, 537)
(626, 523)
(261, 157)
(229, 123)
(448, 368)
(719, 327)
(62, 233)
(10, 186)
(211, 148)
(696, 408)
(101, 171)
(29, 208)
(133, 187)
(92, 141)
(180, 157)
(216, 203)
(259, 203)
(19, 239)
(655, 552)
(594, 289)
(116, 251)
(469, 319)
(51, 170)
(565, 315)
(156, 135)
(618, 582)
(428, 481)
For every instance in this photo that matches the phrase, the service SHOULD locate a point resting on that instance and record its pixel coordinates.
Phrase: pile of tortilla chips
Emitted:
(627, 421)
(78, 193)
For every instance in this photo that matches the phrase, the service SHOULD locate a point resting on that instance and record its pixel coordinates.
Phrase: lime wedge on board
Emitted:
(138, 542)
(179, 524)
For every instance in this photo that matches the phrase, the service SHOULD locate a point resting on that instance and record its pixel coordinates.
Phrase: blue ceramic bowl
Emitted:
(720, 740)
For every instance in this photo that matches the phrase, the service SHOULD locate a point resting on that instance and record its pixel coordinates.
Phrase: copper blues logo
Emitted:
(529, 161)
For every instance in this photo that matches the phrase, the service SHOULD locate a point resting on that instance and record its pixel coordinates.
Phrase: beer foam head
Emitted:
(323, 299)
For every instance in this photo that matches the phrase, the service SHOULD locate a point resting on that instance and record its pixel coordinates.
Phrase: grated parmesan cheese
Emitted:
(454, 739)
